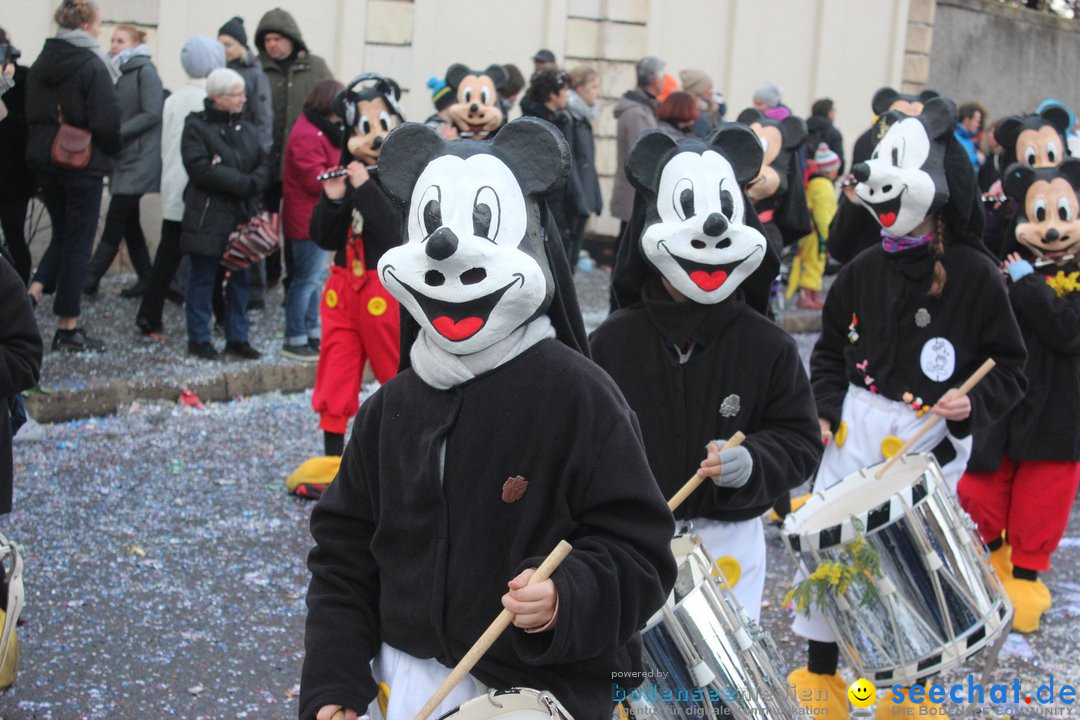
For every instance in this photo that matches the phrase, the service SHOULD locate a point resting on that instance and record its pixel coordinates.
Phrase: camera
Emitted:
(8, 54)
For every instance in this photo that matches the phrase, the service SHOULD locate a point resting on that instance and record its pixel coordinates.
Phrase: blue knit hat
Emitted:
(201, 56)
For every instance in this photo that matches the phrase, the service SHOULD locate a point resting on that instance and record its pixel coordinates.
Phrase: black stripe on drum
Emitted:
(879, 516)
(829, 537)
(883, 675)
(794, 543)
(918, 491)
(976, 637)
(929, 662)
(1002, 611)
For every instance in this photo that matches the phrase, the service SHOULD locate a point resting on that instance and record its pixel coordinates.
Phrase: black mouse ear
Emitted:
(794, 132)
(883, 100)
(939, 116)
(1016, 181)
(1070, 170)
(928, 94)
(1007, 132)
(749, 116)
(538, 153)
(498, 75)
(455, 74)
(741, 147)
(645, 160)
(407, 151)
(1057, 116)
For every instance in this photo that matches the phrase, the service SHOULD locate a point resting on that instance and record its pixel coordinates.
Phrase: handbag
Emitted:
(252, 241)
(72, 145)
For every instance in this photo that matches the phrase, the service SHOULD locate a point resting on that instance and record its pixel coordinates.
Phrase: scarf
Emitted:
(899, 244)
(80, 38)
(443, 370)
(120, 59)
(581, 109)
(334, 131)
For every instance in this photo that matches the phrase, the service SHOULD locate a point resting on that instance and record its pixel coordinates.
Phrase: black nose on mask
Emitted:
(861, 171)
(378, 142)
(442, 244)
(715, 225)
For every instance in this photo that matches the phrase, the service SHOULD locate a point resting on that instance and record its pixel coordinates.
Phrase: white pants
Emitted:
(871, 418)
(745, 542)
(412, 682)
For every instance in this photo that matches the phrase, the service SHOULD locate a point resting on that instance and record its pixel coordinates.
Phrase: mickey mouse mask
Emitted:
(369, 112)
(904, 181)
(779, 139)
(476, 111)
(473, 267)
(1037, 140)
(695, 232)
(1048, 223)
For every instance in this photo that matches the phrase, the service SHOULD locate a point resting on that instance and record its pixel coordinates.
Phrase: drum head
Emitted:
(829, 518)
(511, 704)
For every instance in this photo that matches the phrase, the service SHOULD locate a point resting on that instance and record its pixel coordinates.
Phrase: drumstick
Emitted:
(695, 480)
(481, 646)
(925, 428)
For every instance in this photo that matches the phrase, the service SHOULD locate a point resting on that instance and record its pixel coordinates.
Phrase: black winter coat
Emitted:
(77, 80)
(381, 222)
(1044, 426)
(583, 148)
(20, 363)
(568, 202)
(227, 173)
(16, 179)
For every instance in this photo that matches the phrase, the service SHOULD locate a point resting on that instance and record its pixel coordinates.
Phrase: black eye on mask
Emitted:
(486, 213)
(365, 126)
(727, 203)
(683, 199)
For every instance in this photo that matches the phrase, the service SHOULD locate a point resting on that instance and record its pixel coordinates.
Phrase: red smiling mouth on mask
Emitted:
(458, 321)
(886, 212)
(705, 276)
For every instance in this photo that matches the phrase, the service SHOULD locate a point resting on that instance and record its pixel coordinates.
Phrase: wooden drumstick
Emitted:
(696, 480)
(925, 428)
(481, 646)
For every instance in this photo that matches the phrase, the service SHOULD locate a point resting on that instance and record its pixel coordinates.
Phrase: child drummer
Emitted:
(694, 354)
(496, 440)
(905, 323)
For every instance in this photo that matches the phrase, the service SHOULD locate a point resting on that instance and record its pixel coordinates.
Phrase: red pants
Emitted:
(360, 322)
(1030, 501)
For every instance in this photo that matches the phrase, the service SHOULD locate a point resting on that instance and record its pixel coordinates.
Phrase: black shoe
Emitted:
(314, 343)
(136, 290)
(174, 297)
(149, 327)
(203, 350)
(75, 341)
(301, 353)
(242, 349)
(256, 304)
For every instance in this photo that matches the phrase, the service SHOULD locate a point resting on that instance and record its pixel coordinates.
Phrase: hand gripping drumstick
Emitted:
(495, 629)
(696, 480)
(925, 428)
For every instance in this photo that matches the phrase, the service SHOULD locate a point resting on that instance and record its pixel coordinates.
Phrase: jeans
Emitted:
(121, 223)
(198, 304)
(166, 263)
(302, 297)
(74, 203)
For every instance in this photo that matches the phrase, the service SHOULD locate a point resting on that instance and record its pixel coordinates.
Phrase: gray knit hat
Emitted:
(769, 93)
(201, 56)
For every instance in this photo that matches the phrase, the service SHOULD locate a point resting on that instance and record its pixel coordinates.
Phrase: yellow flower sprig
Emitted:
(1063, 284)
(858, 568)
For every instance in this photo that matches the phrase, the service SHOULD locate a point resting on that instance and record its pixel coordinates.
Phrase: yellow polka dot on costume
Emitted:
(331, 299)
(840, 436)
(730, 568)
(377, 306)
(357, 268)
(891, 445)
(384, 697)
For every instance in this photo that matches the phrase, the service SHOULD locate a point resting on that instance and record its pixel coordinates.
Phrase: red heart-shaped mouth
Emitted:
(887, 219)
(709, 281)
(460, 330)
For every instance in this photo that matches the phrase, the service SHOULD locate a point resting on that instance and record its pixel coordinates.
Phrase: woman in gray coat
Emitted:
(138, 166)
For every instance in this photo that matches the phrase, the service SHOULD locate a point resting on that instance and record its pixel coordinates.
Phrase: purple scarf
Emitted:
(898, 244)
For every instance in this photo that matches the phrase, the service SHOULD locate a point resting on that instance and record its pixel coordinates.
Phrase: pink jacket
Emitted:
(308, 152)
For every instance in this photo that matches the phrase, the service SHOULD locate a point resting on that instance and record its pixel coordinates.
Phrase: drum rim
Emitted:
(543, 699)
(872, 519)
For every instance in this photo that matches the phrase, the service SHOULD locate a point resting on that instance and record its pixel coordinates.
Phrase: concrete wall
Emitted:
(844, 49)
(1008, 58)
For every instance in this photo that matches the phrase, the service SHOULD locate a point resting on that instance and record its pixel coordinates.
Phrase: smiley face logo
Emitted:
(861, 693)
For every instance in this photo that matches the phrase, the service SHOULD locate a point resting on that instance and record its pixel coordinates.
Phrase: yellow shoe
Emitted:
(313, 475)
(1031, 598)
(1001, 560)
(887, 708)
(825, 695)
(10, 666)
(796, 503)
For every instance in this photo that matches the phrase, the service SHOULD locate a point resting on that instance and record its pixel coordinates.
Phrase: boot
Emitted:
(1001, 560)
(1030, 598)
(809, 299)
(825, 695)
(887, 708)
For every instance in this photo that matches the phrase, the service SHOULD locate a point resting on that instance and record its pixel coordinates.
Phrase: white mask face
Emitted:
(899, 192)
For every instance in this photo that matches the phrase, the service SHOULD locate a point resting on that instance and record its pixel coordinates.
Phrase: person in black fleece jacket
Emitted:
(904, 324)
(71, 77)
(496, 440)
(1025, 469)
(678, 346)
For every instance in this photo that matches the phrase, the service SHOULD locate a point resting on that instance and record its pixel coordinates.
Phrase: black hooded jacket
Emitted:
(76, 80)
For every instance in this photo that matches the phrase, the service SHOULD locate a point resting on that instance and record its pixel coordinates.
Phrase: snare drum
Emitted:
(512, 704)
(702, 652)
(937, 601)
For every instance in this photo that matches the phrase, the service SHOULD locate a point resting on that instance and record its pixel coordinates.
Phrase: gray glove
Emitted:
(736, 466)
